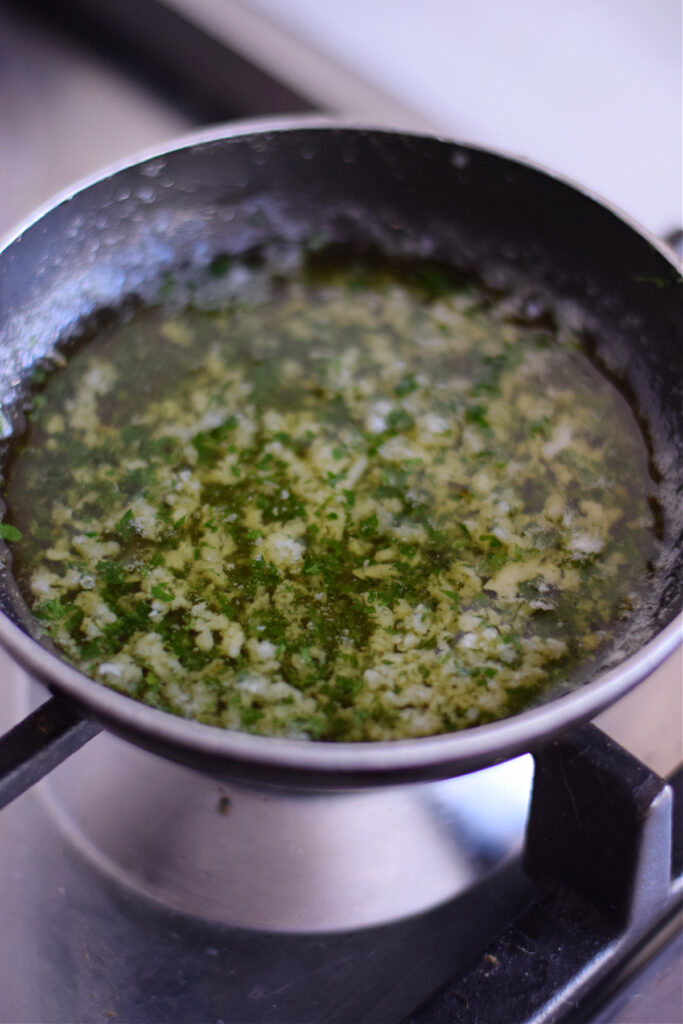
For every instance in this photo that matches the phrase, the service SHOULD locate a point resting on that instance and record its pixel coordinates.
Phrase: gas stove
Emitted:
(140, 890)
(136, 890)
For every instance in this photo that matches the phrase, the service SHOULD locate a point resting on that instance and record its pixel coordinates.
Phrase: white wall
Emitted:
(591, 88)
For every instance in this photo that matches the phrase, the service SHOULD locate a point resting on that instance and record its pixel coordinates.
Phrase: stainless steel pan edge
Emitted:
(318, 764)
(309, 764)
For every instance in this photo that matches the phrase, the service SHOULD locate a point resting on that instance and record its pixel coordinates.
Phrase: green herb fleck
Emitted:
(9, 532)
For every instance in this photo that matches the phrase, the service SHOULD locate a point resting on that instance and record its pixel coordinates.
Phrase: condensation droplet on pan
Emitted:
(168, 183)
(306, 152)
(347, 151)
(146, 194)
(424, 248)
(123, 193)
(534, 307)
(154, 169)
(259, 150)
(460, 159)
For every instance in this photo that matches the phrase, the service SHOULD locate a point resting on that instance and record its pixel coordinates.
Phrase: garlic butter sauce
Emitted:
(360, 503)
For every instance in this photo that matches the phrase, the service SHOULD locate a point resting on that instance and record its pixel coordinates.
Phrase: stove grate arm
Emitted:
(38, 744)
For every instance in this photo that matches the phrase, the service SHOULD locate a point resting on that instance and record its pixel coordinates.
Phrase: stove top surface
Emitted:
(101, 930)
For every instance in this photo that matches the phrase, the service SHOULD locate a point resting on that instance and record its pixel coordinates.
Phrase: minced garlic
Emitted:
(359, 509)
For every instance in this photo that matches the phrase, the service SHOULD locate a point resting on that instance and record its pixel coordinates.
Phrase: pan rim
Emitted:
(225, 131)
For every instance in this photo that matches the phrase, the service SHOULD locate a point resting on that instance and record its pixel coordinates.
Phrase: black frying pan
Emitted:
(234, 189)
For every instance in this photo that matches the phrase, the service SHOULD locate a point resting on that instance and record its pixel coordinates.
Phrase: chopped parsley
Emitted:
(285, 516)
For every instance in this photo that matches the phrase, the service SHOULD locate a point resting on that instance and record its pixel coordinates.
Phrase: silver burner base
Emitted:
(280, 860)
(79, 947)
(104, 929)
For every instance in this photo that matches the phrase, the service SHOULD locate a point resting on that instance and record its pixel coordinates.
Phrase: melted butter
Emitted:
(354, 507)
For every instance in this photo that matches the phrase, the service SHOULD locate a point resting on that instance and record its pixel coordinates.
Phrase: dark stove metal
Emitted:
(38, 744)
(605, 846)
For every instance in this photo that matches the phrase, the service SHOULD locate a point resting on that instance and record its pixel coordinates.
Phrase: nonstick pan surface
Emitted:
(241, 188)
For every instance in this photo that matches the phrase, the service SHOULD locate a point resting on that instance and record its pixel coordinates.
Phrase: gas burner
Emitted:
(147, 891)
